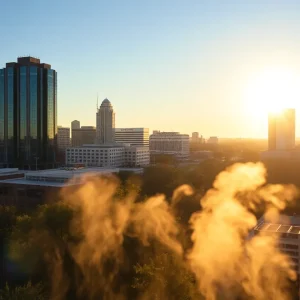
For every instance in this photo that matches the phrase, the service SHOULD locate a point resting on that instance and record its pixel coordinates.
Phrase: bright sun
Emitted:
(272, 91)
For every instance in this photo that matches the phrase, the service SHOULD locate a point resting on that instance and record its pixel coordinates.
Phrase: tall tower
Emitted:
(281, 134)
(28, 114)
(105, 123)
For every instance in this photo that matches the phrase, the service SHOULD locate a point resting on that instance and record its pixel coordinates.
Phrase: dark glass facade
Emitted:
(28, 114)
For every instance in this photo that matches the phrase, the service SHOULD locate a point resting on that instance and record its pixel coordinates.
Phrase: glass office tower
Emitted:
(28, 114)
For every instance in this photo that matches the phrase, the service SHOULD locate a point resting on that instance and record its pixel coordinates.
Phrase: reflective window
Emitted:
(23, 102)
(50, 102)
(10, 103)
(33, 102)
(1, 106)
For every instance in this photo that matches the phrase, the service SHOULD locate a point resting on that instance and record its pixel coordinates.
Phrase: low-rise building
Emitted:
(108, 155)
(26, 189)
(171, 143)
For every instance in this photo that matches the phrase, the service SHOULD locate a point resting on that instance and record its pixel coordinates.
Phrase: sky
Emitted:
(164, 64)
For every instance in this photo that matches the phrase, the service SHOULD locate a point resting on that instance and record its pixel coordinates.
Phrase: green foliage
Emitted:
(165, 277)
(26, 292)
(7, 219)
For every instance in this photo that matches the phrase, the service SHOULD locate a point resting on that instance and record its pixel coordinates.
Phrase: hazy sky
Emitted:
(164, 64)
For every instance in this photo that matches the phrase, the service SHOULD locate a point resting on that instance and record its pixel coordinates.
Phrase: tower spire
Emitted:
(97, 102)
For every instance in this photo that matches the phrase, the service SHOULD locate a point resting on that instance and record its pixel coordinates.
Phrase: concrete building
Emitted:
(31, 188)
(281, 137)
(105, 123)
(83, 135)
(213, 140)
(172, 143)
(132, 136)
(75, 124)
(287, 229)
(281, 134)
(136, 156)
(108, 155)
(63, 138)
(28, 113)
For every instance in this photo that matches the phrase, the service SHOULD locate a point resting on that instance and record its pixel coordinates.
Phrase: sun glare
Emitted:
(272, 91)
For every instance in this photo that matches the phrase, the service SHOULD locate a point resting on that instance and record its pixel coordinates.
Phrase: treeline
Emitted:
(37, 246)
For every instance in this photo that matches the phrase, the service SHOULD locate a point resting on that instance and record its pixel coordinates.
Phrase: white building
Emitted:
(172, 143)
(63, 138)
(105, 120)
(136, 156)
(132, 136)
(108, 155)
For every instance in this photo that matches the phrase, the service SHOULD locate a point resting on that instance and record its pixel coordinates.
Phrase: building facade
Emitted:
(108, 155)
(105, 123)
(132, 136)
(136, 156)
(172, 143)
(281, 133)
(75, 124)
(83, 135)
(213, 140)
(28, 113)
(63, 138)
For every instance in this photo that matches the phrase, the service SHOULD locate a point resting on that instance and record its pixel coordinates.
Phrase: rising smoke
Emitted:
(226, 263)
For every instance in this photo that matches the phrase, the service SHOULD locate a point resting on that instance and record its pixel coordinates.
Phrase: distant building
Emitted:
(172, 143)
(281, 134)
(195, 136)
(105, 123)
(213, 140)
(83, 135)
(63, 138)
(281, 137)
(132, 136)
(108, 155)
(28, 113)
(75, 124)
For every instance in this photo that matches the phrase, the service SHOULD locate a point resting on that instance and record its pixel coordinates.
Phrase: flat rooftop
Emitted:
(62, 177)
(285, 224)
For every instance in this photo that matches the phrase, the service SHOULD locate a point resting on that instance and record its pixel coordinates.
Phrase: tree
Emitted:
(25, 292)
(165, 276)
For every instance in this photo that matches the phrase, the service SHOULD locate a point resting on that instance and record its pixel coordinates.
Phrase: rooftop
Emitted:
(285, 224)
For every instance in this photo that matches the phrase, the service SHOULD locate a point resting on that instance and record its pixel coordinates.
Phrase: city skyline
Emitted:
(132, 56)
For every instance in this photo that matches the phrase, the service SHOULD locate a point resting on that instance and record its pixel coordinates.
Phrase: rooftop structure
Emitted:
(287, 229)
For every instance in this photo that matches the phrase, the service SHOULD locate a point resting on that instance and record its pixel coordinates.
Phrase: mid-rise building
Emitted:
(132, 136)
(83, 135)
(63, 138)
(28, 113)
(108, 155)
(105, 123)
(213, 140)
(75, 124)
(172, 143)
(281, 135)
